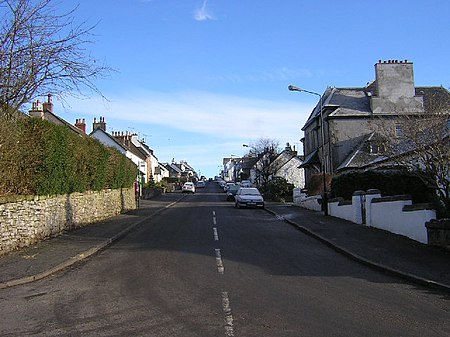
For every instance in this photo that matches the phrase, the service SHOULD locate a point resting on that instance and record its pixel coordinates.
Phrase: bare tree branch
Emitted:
(44, 52)
(420, 143)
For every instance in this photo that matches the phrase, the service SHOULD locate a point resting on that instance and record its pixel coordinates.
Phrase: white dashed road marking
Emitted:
(219, 262)
(229, 330)
(226, 307)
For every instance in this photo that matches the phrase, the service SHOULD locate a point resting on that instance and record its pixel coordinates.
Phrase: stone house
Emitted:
(187, 170)
(174, 171)
(348, 117)
(180, 170)
(266, 167)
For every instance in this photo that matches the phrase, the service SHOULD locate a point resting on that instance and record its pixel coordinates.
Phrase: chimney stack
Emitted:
(81, 124)
(99, 125)
(395, 90)
(48, 106)
(36, 110)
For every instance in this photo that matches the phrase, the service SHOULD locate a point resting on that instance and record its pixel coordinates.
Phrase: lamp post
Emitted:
(324, 179)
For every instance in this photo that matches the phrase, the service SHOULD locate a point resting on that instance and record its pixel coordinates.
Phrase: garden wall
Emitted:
(25, 220)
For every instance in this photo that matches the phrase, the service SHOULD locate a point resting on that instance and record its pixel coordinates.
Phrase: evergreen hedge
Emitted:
(41, 158)
(388, 182)
(278, 190)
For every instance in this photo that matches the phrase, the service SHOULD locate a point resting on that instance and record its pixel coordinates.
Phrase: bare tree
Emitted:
(421, 144)
(266, 150)
(43, 52)
(261, 146)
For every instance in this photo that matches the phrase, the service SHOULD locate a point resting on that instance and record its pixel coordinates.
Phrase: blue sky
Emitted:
(199, 78)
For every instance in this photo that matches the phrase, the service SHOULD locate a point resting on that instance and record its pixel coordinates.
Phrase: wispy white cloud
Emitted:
(202, 13)
(204, 113)
(271, 75)
(211, 126)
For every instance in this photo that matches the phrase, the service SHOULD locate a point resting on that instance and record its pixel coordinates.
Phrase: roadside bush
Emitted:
(171, 180)
(278, 190)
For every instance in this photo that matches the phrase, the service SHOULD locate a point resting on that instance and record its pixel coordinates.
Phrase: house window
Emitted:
(316, 138)
(398, 131)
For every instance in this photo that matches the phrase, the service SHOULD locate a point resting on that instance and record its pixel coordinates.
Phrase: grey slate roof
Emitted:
(362, 155)
(354, 102)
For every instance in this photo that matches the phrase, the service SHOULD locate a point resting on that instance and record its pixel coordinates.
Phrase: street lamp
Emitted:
(324, 179)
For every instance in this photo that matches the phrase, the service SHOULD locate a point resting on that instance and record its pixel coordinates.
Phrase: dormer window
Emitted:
(374, 147)
(399, 131)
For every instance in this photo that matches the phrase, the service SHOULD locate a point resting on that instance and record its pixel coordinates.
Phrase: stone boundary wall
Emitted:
(148, 193)
(25, 220)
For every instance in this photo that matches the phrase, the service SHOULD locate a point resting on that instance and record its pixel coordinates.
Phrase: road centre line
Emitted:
(228, 319)
(229, 330)
(219, 262)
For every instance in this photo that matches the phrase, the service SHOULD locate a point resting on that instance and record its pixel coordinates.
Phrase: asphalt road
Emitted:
(204, 268)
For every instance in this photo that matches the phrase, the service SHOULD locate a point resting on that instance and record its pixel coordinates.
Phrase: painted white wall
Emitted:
(391, 217)
(387, 215)
(341, 211)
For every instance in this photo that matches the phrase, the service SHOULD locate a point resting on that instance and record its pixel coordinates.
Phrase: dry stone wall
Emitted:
(25, 220)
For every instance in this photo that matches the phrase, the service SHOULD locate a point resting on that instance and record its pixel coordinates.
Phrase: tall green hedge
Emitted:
(388, 182)
(41, 158)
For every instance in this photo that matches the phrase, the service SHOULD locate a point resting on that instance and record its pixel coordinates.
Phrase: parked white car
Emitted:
(248, 197)
(188, 187)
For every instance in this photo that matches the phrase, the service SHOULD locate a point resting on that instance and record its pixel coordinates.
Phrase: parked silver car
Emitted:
(248, 197)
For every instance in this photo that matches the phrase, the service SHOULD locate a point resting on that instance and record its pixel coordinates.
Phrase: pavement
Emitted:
(394, 254)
